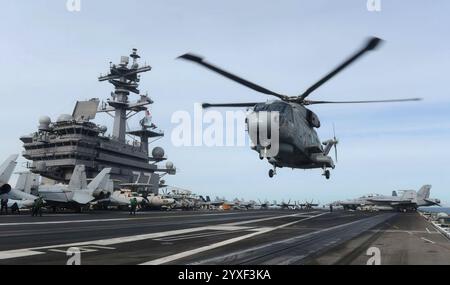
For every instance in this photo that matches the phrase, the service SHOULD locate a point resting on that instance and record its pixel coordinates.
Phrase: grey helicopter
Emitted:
(299, 144)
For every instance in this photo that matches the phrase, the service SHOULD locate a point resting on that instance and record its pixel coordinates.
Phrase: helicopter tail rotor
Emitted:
(335, 142)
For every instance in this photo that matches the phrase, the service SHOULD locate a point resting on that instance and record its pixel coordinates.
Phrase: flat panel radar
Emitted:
(85, 110)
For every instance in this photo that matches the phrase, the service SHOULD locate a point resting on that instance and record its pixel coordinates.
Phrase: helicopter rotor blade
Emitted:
(208, 105)
(251, 85)
(371, 44)
(335, 153)
(311, 102)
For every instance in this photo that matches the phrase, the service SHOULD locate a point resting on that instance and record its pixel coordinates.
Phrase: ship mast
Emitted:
(125, 79)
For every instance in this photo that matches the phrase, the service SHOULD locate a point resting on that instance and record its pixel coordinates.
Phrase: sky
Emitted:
(52, 58)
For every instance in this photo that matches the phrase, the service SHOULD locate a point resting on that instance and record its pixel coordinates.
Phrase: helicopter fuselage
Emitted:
(299, 145)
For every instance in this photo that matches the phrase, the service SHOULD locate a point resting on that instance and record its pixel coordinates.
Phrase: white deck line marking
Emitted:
(289, 240)
(428, 230)
(7, 254)
(102, 247)
(427, 240)
(192, 236)
(217, 230)
(222, 243)
(405, 232)
(65, 222)
(59, 251)
(265, 219)
(19, 253)
(105, 220)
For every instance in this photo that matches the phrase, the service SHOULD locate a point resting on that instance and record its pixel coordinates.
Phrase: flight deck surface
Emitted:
(226, 238)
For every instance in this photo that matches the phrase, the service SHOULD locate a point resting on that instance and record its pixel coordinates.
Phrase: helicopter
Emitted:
(299, 144)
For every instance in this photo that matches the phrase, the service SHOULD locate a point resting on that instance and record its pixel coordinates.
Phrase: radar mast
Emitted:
(125, 79)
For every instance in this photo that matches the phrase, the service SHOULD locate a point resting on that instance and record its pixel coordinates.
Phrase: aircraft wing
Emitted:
(82, 197)
(391, 202)
(135, 184)
(433, 202)
(19, 195)
(21, 204)
(388, 200)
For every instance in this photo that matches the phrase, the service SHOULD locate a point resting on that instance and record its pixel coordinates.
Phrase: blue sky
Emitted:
(51, 57)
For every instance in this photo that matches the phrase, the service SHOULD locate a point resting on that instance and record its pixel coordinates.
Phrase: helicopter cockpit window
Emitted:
(284, 109)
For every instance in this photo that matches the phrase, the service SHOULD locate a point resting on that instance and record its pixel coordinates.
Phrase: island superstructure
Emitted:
(57, 146)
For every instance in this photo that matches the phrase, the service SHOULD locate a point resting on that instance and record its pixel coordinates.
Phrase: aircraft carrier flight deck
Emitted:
(225, 238)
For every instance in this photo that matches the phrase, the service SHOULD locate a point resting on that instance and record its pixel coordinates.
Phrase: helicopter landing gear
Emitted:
(272, 172)
(263, 154)
(326, 173)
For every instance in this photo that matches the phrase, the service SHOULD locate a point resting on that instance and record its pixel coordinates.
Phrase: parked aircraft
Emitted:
(77, 193)
(6, 170)
(407, 200)
(19, 195)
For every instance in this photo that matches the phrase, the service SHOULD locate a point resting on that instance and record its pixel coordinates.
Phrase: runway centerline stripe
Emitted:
(7, 254)
(222, 243)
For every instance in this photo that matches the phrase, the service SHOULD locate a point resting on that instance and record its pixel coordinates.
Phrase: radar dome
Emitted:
(64, 118)
(158, 152)
(44, 123)
(169, 165)
(45, 120)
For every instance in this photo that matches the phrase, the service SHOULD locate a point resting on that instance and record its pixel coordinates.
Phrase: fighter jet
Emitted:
(77, 193)
(6, 170)
(241, 204)
(287, 206)
(354, 204)
(308, 205)
(222, 203)
(17, 196)
(263, 205)
(407, 200)
(21, 195)
(274, 206)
